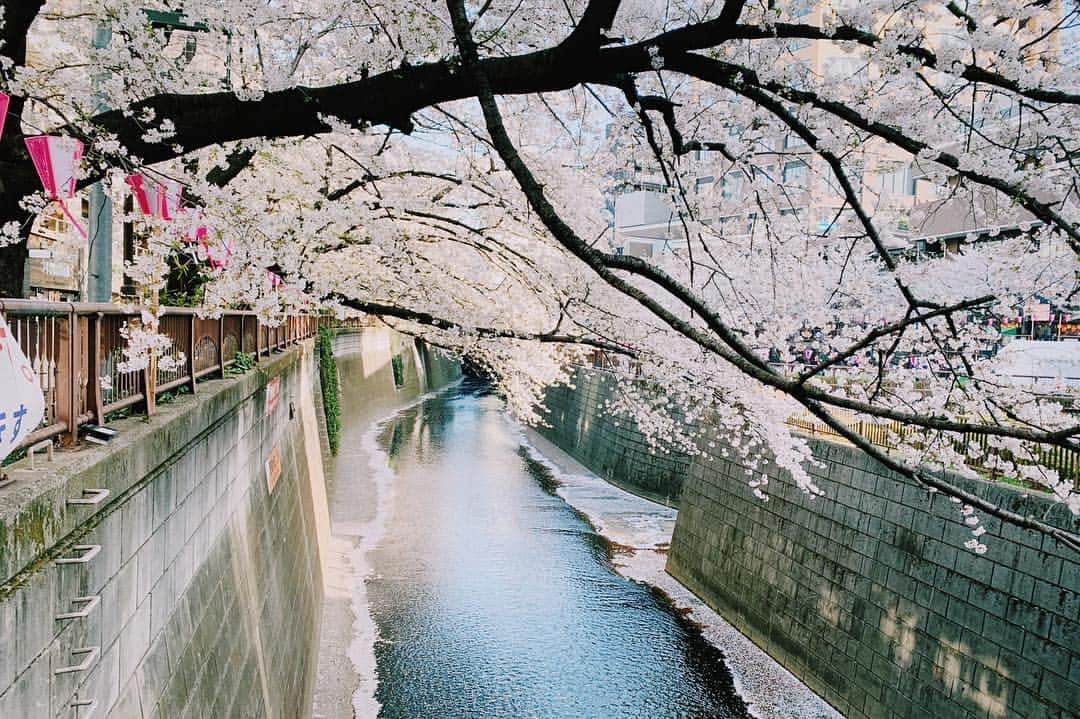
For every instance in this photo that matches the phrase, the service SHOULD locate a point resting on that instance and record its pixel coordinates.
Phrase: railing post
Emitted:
(191, 353)
(243, 347)
(256, 339)
(221, 346)
(66, 411)
(149, 388)
(93, 370)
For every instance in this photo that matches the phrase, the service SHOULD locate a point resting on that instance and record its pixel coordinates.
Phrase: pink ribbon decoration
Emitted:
(169, 195)
(55, 159)
(156, 199)
(195, 229)
(146, 193)
(219, 255)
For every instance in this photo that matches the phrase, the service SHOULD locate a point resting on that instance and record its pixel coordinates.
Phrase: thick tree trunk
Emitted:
(12, 267)
(17, 177)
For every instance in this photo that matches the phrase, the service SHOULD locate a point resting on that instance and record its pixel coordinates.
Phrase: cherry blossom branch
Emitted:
(534, 193)
(939, 484)
(725, 343)
(711, 33)
(727, 74)
(885, 330)
(381, 309)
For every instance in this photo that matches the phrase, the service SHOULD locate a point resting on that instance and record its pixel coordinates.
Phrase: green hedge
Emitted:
(331, 393)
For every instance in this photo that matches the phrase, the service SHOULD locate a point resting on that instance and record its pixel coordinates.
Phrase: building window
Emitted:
(898, 181)
(792, 140)
(795, 173)
(53, 220)
(730, 185)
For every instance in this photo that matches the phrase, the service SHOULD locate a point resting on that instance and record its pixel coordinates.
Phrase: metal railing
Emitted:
(76, 349)
(1065, 461)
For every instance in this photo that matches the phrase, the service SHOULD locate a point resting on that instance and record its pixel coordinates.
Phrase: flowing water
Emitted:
(492, 597)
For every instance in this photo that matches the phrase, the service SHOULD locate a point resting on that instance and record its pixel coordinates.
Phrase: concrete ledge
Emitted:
(36, 522)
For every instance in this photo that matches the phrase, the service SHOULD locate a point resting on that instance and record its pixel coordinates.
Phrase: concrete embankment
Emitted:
(380, 372)
(186, 581)
(612, 447)
(867, 593)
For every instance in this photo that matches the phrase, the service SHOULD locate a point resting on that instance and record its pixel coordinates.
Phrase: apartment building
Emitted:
(58, 266)
(914, 211)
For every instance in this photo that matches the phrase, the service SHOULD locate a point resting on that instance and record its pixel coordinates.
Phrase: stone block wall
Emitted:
(869, 596)
(207, 583)
(867, 593)
(613, 448)
(424, 368)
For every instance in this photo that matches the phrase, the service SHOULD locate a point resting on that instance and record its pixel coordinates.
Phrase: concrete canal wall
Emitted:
(867, 594)
(611, 447)
(371, 389)
(200, 569)
(372, 378)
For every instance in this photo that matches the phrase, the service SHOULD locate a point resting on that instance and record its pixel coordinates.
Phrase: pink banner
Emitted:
(56, 159)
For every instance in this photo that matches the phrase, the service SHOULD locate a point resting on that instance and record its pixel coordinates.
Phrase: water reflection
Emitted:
(493, 598)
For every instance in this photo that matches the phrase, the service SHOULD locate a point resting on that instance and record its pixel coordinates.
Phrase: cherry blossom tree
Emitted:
(445, 168)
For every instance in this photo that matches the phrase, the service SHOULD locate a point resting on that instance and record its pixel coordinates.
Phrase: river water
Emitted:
(494, 598)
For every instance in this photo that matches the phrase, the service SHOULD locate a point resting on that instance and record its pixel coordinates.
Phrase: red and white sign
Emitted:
(56, 159)
(273, 394)
(22, 405)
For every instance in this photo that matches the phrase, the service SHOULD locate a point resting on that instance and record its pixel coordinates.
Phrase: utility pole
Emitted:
(99, 263)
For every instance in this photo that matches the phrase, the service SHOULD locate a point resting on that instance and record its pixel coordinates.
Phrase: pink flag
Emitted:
(169, 195)
(218, 253)
(146, 193)
(195, 231)
(55, 159)
(155, 198)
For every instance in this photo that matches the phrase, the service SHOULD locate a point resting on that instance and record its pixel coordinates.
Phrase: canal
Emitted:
(494, 598)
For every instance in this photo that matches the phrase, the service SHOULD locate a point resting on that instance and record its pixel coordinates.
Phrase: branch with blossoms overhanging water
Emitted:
(406, 265)
(732, 350)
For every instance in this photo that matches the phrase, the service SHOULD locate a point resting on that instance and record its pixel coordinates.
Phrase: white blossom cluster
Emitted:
(758, 312)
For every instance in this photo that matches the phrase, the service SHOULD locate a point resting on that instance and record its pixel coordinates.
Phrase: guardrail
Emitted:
(1066, 462)
(75, 349)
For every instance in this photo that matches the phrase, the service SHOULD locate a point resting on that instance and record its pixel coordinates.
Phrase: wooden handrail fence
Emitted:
(75, 350)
